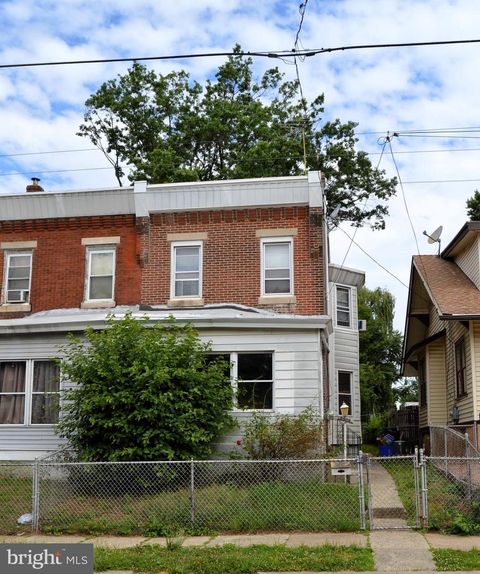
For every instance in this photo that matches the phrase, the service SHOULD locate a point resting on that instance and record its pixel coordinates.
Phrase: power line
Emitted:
(278, 54)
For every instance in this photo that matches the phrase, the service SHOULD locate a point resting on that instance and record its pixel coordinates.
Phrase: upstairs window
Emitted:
(29, 392)
(277, 266)
(343, 307)
(100, 274)
(345, 390)
(186, 270)
(18, 277)
(460, 367)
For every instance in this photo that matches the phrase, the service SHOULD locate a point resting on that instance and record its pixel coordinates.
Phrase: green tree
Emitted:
(473, 206)
(143, 393)
(406, 390)
(380, 351)
(167, 128)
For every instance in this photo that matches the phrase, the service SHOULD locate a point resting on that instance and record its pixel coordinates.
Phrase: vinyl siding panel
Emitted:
(296, 371)
(435, 324)
(436, 383)
(469, 262)
(475, 353)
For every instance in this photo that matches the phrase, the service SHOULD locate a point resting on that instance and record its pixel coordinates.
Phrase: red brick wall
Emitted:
(231, 255)
(58, 264)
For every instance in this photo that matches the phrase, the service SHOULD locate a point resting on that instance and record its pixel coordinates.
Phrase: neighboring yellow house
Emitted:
(442, 334)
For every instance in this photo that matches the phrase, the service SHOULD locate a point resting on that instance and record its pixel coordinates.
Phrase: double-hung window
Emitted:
(251, 376)
(186, 270)
(100, 273)
(29, 392)
(460, 367)
(343, 307)
(277, 266)
(345, 390)
(18, 272)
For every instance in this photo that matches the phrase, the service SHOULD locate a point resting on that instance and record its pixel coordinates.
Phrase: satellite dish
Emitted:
(435, 236)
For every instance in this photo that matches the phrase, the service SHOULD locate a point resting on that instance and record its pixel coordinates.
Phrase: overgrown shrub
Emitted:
(143, 393)
(282, 436)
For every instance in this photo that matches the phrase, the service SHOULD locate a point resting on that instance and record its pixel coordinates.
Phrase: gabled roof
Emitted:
(454, 295)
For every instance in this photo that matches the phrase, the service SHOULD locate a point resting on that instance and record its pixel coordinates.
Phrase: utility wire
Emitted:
(278, 54)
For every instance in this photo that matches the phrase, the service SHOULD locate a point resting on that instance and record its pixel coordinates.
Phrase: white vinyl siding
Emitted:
(186, 265)
(277, 266)
(18, 272)
(100, 274)
(436, 383)
(469, 262)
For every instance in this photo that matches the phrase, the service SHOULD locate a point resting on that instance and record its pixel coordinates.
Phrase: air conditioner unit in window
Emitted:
(23, 297)
(362, 325)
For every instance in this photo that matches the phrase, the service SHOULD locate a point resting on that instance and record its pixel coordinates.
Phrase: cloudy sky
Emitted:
(385, 90)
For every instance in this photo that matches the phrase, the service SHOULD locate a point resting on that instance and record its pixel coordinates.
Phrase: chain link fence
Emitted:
(16, 488)
(205, 497)
(196, 497)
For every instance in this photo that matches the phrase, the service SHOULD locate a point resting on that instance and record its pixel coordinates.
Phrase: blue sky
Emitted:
(383, 90)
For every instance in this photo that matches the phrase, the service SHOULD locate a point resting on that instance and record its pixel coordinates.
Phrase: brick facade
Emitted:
(58, 263)
(231, 255)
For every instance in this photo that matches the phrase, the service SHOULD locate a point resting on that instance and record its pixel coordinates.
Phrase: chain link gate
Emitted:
(396, 492)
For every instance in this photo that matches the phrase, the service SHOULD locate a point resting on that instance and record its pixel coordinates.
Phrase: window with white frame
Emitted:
(29, 392)
(18, 272)
(100, 273)
(186, 269)
(343, 307)
(277, 266)
(251, 376)
(345, 390)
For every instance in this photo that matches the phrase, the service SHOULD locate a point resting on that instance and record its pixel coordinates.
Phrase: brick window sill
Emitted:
(15, 308)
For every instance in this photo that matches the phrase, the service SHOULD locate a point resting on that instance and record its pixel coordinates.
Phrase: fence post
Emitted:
(445, 448)
(192, 491)
(416, 471)
(361, 490)
(423, 466)
(35, 496)
(369, 491)
(469, 469)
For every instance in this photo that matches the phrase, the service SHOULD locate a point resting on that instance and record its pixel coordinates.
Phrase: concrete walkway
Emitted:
(394, 551)
(386, 507)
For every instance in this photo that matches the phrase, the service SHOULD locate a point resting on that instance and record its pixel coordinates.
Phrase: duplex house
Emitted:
(244, 261)
(442, 334)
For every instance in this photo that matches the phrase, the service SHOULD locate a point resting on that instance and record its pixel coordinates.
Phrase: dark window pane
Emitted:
(277, 286)
(12, 409)
(101, 287)
(45, 409)
(46, 377)
(344, 383)
(12, 377)
(343, 297)
(254, 395)
(187, 288)
(343, 318)
(255, 366)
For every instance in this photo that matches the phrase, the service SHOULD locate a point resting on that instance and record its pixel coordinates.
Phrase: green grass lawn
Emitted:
(15, 500)
(456, 559)
(310, 505)
(230, 559)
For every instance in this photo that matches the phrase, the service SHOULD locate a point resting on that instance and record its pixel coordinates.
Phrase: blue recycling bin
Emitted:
(386, 450)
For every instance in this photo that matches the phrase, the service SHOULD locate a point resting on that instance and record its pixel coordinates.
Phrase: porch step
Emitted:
(388, 512)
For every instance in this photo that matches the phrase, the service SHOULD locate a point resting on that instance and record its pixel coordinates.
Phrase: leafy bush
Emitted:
(144, 393)
(282, 436)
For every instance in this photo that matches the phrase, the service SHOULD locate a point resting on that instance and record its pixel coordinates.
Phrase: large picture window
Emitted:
(186, 270)
(277, 266)
(251, 376)
(29, 392)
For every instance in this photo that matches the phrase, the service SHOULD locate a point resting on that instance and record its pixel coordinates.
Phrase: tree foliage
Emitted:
(143, 393)
(473, 206)
(168, 128)
(380, 351)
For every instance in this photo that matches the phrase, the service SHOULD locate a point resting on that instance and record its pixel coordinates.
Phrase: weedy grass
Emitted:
(231, 559)
(446, 559)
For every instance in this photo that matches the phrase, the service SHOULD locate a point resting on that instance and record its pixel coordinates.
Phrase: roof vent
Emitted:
(34, 186)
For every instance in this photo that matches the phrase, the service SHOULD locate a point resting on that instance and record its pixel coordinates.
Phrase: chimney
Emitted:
(34, 187)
